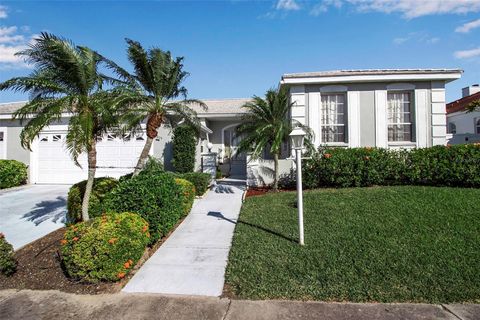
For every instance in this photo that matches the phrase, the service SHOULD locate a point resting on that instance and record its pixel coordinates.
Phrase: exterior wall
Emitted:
(260, 172)
(367, 112)
(465, 127)
(162, 147)
(14, 150)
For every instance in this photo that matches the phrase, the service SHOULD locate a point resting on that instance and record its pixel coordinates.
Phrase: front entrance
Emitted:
(234, 162)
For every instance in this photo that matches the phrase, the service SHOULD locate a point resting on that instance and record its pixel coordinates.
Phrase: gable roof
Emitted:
(461, 104)
(11, 107)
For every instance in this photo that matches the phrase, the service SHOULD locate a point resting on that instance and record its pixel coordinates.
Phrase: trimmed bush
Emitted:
(8, 264)
(105, 248)
(457, 165)
(156, 197)
(13, 173)
(184, 148)
(200, 180)
(101, 186)
(188, 192)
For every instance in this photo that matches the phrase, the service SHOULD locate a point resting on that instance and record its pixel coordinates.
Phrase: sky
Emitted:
(236, 49)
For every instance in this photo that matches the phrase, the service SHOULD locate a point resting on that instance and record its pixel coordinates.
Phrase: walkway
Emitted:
(27, 304)
(193, 259)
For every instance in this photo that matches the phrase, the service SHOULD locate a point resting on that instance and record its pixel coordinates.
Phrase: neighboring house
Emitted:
(350, 108)
(463, 126)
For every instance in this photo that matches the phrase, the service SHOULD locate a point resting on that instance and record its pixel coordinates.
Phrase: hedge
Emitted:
(457, 165)
(156, 197)
(184, 148)
(200, 180)
(188, 192)
(8, 264)
(13, 173)
(101, 186)
(105, 248)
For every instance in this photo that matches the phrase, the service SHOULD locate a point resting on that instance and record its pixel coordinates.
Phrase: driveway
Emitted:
(29, 213)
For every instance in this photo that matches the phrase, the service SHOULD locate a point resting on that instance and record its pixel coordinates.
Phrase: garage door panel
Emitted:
(115, 158)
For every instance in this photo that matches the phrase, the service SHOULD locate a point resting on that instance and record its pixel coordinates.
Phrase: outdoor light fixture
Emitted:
(298, 136)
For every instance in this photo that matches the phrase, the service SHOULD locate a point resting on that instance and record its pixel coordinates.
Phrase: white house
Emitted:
(399, 108)
(463, 126)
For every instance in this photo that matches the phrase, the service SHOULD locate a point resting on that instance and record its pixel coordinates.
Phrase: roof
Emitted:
(372, 75)
(369, 72)
(11, 107)
(217, 106)
(461, 104)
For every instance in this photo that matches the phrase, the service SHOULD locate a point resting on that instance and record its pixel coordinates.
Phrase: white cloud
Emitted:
(408, 8)
(287, 5)
(420, 37)
(12, 40)
(3, 12)
(466, 54)
(467, 27)
(323, 6)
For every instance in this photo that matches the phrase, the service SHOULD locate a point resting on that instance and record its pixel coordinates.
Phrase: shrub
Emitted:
(188, 192)
(105, 248)
(8, 264)
(12, 173)
(184, 147)
(153, 166)
(156, 197)
(357, 167)
(200, 180)
(457, 165)
(101, 186)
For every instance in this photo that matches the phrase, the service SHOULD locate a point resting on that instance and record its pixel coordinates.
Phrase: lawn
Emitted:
(385, 244)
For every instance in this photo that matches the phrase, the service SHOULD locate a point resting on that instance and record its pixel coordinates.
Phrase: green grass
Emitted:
(385, 244)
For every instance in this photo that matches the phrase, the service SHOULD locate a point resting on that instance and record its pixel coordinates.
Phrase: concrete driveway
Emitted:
(29, 213)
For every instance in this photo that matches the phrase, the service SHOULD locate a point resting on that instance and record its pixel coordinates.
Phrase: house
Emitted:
(463, 126)
(398, 108)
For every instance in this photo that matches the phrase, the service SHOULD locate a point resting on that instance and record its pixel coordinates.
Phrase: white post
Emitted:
(299, 195)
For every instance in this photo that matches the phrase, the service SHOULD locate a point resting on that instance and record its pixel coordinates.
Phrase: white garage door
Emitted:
(115, 157)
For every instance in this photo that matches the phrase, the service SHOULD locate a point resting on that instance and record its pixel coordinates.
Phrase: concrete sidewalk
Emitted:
(193, 259)
(28, 304)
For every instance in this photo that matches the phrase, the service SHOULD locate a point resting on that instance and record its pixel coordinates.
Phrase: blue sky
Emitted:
(241, 48)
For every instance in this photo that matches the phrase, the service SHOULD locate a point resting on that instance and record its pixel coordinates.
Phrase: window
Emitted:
(477, 126)
(452, 128)
(44, 139)
(399, 116)
(56, 137)
(333, 116)
(2, 136)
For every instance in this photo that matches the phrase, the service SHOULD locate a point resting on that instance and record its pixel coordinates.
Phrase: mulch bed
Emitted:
(251, 192)
(39, 268)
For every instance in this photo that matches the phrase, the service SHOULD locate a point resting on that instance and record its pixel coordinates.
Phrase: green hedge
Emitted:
(200, 180)
(156, 197)
(184, 148)
(101, 186)
(13, 173)
(188, 193)
(457, 165)
(105, 248)
(8, 264)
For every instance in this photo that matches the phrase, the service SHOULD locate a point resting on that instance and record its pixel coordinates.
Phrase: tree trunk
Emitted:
(143, 156)
(275, 168)
(92, 166)
(153, 123)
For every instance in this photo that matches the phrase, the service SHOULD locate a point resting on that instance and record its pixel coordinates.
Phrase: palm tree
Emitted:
(66, 79)
(154, 86)
(266, 125)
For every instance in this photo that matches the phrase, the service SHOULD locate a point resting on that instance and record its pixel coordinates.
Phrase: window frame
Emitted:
(345, 119)
(450, 130)
(411, 94)
(477, 126)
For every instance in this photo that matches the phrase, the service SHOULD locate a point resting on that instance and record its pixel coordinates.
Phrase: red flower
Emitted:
(75, 238)
(121, 275)
(327, 155)
(145, 228)
(112, 241)
(126, 265)
(63, 242)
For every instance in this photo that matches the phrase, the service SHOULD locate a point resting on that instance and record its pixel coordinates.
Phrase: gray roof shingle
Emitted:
(363, 72)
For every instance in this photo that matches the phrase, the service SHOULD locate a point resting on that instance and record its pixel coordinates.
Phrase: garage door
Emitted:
(116, 156)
